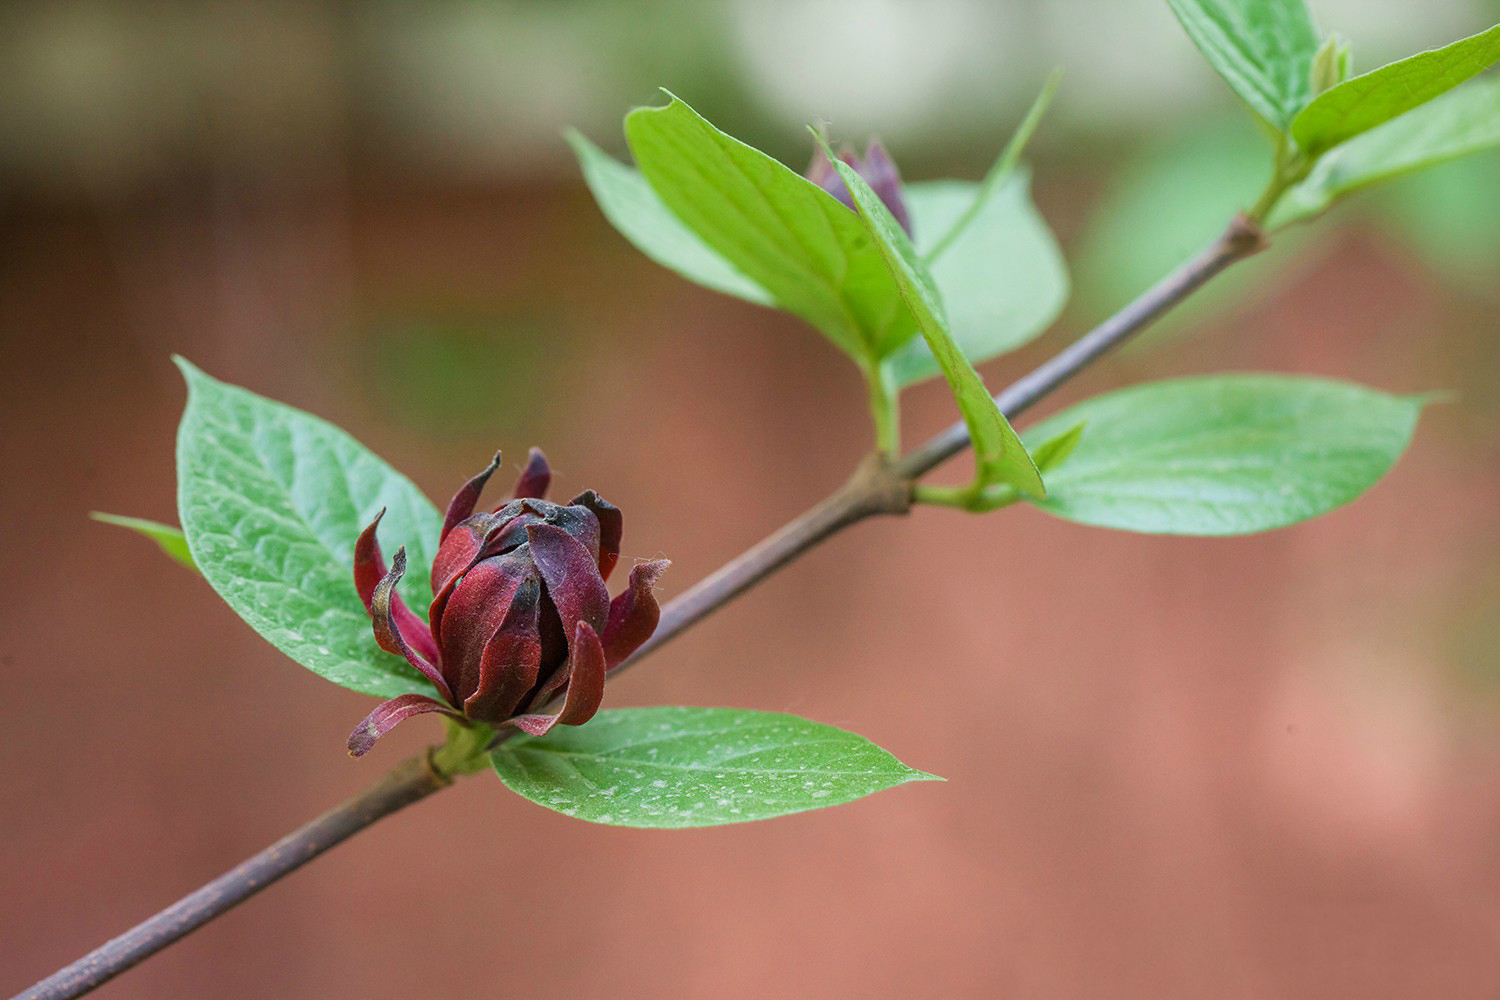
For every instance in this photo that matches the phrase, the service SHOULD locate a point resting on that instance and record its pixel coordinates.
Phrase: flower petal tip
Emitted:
(535, 478)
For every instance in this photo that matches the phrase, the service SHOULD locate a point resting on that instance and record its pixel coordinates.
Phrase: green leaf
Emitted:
(673, 767)
(1363, 102)
(998, 452)
(782, 231)
(1002, 279)
(1461, 122)
(630, 204)
(271, 501)
(1050, 453)
(1000, 171)
(1224, 455)
(167, 536)
(1264, 50)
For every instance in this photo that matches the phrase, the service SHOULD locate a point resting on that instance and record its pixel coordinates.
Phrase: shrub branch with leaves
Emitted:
(911, 281)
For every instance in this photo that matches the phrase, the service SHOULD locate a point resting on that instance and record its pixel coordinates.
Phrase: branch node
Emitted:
(878, 488)
(1245, 237)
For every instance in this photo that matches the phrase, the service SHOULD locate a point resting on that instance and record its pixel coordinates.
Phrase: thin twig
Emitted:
(886, 489)
(878, 487)
(411, 780)
(1243, 238)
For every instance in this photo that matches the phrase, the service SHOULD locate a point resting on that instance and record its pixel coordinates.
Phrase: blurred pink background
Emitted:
(1258, 767)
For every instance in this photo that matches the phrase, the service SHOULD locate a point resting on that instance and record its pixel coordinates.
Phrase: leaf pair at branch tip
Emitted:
(1269, 53)
(733, 219)
(1000, 458)
(1364, 102)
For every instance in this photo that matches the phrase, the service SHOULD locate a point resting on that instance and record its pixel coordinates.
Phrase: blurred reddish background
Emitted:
(1259, 767)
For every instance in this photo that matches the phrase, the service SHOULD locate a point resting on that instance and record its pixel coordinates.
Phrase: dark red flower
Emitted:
(878, 170)
(519, 615)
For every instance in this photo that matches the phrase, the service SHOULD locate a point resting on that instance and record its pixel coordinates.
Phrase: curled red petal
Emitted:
(369, 570)
(634, 614)
(535, 478)
(571, 575)
(387, 714)
(467, 498)
(611, 528)
(388, 632)
(585, 691)
(511, 661)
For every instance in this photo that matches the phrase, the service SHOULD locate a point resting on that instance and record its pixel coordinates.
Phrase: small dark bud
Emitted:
(878, 170)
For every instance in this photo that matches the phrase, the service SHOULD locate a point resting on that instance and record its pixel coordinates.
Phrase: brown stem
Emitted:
(877, 487)
(411, 780)
(885, 488)
(1243, 238)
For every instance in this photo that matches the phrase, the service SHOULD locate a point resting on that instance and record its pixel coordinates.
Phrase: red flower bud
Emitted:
(878, 170)
(519, 614)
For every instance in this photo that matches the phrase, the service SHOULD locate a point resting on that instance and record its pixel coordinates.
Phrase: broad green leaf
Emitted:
(1050, 453)
(630, 204)
(1002, 279)
(166, 536)
(782, 231)
(1224, 455)
(1263, 49)
(1370, 99)
(998, 452)
(271, 501)
(673, 767)
(1461, 122)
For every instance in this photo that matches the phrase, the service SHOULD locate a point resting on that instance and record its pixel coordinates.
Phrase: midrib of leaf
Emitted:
(262, 459)
(817, 275)
(702, 768)
(831, 281)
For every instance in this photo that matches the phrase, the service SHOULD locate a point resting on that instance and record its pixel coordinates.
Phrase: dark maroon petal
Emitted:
(571, 575)
(611, 527)
(634, 614)
(388, 633)
(535, 478)
(585, 687)
(473, 611)
(459, 550)
(369, 569)
(554, 641)
(554, 673)
(879, 171)
(508, 529)
(511, 661)
(479, 537)
(387, 714)
(467, 498)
